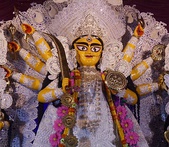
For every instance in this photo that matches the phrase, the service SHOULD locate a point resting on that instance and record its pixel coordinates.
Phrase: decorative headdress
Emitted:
(89, 27)
(89, 16)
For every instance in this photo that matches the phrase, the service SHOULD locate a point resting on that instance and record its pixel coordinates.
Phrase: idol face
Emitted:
(88, 50)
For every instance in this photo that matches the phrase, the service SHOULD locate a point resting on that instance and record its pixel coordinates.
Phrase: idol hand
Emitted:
(8, 71)
(139, 31)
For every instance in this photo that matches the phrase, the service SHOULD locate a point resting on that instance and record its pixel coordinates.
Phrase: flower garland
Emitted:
(58, 126)
(66, 113)
(116, 118)
(131, 137)
(125, 125)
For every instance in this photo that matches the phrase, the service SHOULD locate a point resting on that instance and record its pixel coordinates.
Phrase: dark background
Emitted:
(160, 8)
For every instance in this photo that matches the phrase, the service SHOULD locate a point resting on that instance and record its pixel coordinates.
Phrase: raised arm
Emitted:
(40, 43)
(131, 45)
(129, 95)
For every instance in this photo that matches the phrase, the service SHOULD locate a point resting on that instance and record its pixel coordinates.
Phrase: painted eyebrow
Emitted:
(93, 44)
(84, 43)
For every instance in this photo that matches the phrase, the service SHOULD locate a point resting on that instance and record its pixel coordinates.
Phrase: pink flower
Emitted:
(132, 138)
(62, 111)
(121, 111)
(54, 139)
(127, 124)
(58, 125)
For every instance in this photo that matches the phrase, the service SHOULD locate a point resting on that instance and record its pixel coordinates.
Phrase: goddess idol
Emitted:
(87, 114)
(87, 72)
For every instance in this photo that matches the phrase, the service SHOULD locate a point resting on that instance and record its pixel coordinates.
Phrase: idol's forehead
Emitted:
(88, 39)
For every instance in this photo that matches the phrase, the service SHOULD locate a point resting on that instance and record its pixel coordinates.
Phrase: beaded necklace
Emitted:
(89, 102)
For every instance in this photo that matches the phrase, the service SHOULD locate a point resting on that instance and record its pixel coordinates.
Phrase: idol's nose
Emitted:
(89, 52)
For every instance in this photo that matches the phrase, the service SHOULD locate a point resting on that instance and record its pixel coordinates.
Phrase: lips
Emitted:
(88, 56)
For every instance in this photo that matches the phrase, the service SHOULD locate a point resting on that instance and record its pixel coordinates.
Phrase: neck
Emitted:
(87, 68)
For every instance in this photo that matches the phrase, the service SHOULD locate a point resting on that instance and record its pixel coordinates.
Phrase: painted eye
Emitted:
(95, 48)
(82, 48)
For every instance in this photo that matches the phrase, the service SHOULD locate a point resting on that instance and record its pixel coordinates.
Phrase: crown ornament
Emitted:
(89, 27)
